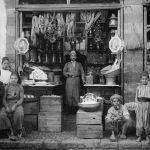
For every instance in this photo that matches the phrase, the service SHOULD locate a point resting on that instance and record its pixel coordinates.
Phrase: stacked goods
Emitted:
(89, 124)
(49, 118)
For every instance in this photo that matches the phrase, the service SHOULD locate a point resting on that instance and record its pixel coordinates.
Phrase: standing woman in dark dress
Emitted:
(73, 71)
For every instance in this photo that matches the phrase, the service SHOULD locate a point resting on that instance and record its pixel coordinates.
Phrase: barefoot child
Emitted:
(12, 112)
(143, 108)
(117, 117)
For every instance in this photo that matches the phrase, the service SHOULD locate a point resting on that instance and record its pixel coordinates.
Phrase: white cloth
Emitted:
(38, 74)
(5, 76)
(113, 113)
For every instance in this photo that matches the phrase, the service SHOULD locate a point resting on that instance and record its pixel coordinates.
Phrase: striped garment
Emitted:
(142, 109)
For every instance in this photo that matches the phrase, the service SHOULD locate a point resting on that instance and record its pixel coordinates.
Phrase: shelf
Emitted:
(96, 51)
(97, 65)
(100, 85)
(44, 64)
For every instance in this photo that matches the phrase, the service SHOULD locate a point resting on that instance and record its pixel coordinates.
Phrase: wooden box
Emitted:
(89, 124)
(30, 105)
(89, 131)
(49, 118)
(48, 122)
(50, 103)
(51, 100)
(84, 117)
(30, 122)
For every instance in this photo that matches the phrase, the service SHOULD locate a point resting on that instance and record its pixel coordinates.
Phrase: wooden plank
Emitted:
(61, 7)
(89, 131)
(50, 128)
(50, 114)
(84, 117)
(31, 108)
(47, 108)
(46, 121)
(30, 122)
(51, 100)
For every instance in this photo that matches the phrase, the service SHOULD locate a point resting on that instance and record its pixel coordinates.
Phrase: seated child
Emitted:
(12, 113)
(117, 117)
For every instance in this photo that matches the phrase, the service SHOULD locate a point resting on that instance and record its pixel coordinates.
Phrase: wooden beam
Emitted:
(65, 7)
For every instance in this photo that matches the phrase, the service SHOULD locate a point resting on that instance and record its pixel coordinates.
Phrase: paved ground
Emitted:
(69, 141)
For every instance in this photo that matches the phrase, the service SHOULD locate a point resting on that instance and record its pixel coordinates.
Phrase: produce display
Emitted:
(90, 98)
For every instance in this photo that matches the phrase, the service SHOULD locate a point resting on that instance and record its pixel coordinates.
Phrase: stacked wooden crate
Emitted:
(31, 110)
(89, 124)
(49, 118)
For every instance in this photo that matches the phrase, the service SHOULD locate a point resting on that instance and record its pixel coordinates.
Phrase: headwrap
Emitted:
(116, 96)
(145, 73)
(5, 58)
(73, 52)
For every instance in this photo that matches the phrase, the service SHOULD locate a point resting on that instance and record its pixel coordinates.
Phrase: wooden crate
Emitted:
(89, 124)
(50, 128)
(84, 117)
(30, 122)
(89, 131)
(31, 108)
(50, 108)
(49, 123)
(49, 118)
(51, 100)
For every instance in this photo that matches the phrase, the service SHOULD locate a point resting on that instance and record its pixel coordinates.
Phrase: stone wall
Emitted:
(133, 36)
(11, 29)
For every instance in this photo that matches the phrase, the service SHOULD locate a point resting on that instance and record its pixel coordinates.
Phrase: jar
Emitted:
(56, 79)
(50, 76)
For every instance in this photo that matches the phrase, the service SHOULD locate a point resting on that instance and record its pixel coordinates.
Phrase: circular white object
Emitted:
(115, 44)
(21, 45)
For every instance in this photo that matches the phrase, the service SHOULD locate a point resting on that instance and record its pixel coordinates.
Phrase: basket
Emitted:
(89, 107)
(92, 105)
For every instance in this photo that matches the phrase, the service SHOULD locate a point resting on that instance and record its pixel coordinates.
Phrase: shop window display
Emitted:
(52, 35)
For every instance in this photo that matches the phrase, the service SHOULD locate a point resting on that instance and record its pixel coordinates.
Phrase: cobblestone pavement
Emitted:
(69, 141)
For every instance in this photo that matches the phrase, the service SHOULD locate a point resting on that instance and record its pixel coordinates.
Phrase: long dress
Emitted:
(13, 93)
(73, 73)
(143, 109)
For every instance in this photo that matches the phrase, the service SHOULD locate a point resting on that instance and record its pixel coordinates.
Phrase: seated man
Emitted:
(118, 117)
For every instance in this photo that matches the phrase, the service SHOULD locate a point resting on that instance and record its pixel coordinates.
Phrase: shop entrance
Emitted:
(54, 30)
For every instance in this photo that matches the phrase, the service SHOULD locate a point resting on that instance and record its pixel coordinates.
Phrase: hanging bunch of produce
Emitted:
(51, 29)
(61, 24)
(34, 29)
(88, 18)
(70, 19)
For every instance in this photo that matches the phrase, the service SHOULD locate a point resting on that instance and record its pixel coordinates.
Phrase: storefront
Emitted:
(86, 27)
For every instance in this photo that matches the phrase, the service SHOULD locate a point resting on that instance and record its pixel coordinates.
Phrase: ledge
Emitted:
(100, 85)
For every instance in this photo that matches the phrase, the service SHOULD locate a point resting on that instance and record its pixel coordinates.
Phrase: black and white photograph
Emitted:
(74, 74)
